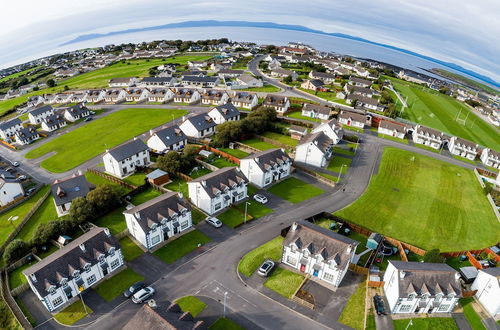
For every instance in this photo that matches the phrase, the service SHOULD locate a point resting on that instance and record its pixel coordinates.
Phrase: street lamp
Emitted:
(246, 208)
(340, 173)
(409, 323)
(80, 289)
(225, 297)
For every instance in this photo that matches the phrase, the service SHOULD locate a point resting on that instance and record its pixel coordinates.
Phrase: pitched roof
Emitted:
(359, 90)
(268, 158)
(11, 123)
(26, 133)
(321, 241)
(465, 143)
(424, 277)
(430, 131)
(120, 80)
(298, 129)
(495, 272)
(213, 95)
(324, 110)
(360, 81)
(352, 115)
(199, 79)
(127, 150)
(243, 97)
(157, 79)
(322, 75)
(363, 99)
(390, 125)
(77, 110)
(170, 135)
(61, 264)
(320, 139)
(223, 178)
(230, 71)
(41, 110)
(246, 78)
(227, 110)
(202, 121)
(65, 191)
(275, 100)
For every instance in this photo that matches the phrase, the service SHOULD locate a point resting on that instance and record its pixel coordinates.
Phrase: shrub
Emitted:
(434, 255)
(15, 250)
(81, 210)
(171, 162)
(103, 197)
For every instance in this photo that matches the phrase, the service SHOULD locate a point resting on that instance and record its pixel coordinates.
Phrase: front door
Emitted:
(105, 271)
(302, 267)
(315, 273)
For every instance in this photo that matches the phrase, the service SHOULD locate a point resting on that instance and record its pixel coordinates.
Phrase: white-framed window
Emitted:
(268, 180)
(87, 267)
(184, 225)
(291, 260)
(115, 263)
(240, 195)
(56, 302)
(405, 308)
(218, 206)
(410, 297)
(328, 277)
(443, 308)
(155, 239)
(91, 280)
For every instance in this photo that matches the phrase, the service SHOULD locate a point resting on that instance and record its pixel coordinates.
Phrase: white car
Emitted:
(260, 198)
(214, 222)
(142, 295)
(266, 268)
(15, 164)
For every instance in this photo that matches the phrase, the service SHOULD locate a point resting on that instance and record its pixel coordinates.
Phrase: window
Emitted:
(91, 280)
(155, 240)
(184, 225)
(328, 277)
(410, 297)
(56, 302)
(115, 263)
(405, 308)
(217, 206)
(268, 180)
(443, 308)
(112, 251)
(291, 260)
(87, 267)
(240, 195)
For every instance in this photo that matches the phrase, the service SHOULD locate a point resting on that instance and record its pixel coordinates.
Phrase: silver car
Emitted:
(266, 268)
(142, 295)
(214, 222)
(260, 198)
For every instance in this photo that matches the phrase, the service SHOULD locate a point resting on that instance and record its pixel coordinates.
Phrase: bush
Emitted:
(15, 250)
(171, 162)
(434, 255)
(81, 210)
(351, 138)
(103, 197)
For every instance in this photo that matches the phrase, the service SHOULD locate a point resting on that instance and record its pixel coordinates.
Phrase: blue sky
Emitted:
(464, 32)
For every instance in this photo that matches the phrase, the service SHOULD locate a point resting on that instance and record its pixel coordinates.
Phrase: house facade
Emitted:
(199, 126)
(10, 190)
(391, 128)
(487, 284)
(76, 112)
(420, 287)
(26, 135)
(332, 129)
(266, 167)
(64, 191)
(352, 119)
(185, 95)
(167, 139)
(279, 103)
(37, 115)
(316, 111)
(318, 252)
(160, 95)
(195, 81)
(327, 78)
(314, 149)
(313, 84)
(122, 82)
(490, 158)
(9, 128)
(123, 160)
(54, 122)
(428, 136)
(463, 148)
(95, 95)
(158, 82)
(116, 95)
(58, 279)
(136, 94)
(248, 81)
(359, 82)
(158, 219)
(245, 100)
(223, 113)
(218, 190)
(214, 97)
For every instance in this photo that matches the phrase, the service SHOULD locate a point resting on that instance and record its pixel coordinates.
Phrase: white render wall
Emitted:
(155, 143)
(310, 154)
(9, 191)
(488, 292)
(38, 119)
(255, 175)
(127, 166)
(201, 199)
(392, 133)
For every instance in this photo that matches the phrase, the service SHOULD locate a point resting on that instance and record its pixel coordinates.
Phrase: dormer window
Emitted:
(76, 274)
(101, 259)
(52, 290)
(64, 282)
(112, 251)
(87, 267)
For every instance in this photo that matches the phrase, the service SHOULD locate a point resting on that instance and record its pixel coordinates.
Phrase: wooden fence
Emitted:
(495, 256)
(22, 261)
(223, 154)
(473, 260)
(375, 284)
(121, 234)
(302, 302)
(12, 204)
(274, 142)
(246, 147)
(207, 165)
(112, 178)
(467, 294)
(358, 269)
(296, 122)
(11, 302)
(183, 176)
(8, 145)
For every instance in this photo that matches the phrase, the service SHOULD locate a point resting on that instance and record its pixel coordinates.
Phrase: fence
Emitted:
(296, 122)
(24, 220)
(8, 145)
(374, 284)
(358, 269)
(112, 178)
(246, 148)
(121, 234)
(302, 302)
(473, 260)
(496, 256)
(271, 141)
(12, 204)
(183, 176)
(207, 165)
(223, 154)
(494, 206)
(315, 175)
(11, 302)
(467, 294)
(22, 261)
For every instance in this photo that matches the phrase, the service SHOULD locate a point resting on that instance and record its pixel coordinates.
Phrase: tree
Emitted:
(433, 255)
(227, 132)
(171, 162)
(103, 197)
(51, 83)
(288, 79)
(81, 210)
(15, 250)
(188, 158)
(385, 97)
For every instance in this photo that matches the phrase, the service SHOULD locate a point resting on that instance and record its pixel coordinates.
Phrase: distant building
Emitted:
(463, 148)
(279, 103)
(198, 126)
(316, 111)
(490, 158)
(428, 137)
(223, 113)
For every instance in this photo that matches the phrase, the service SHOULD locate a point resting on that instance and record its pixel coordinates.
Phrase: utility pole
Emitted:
(246, 209)
(409, 323)
(225, 297)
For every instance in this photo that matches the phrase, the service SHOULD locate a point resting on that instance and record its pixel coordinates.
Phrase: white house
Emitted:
(9, 128)
(186, 95)
(359, 82)
(76, 112)
(26, 135)
(463, 148)
(37, 115)
(160, 95)
(490, 158)
(158, 219)
(245, 100)
(332, 129)
(167, 139)
(136, 94)
(283, 73)
(158, 82)
(487, 284)
(10, 190)
(123, 160)
(391, 128)
(197, 64)
(115, 95)
(95, 95)
(266, 167)
(53, 122)
(321, 253)
(363, 91)
(314, 149)
(59, 279)
(64, 191)
(327, 78)
(35, 100)
(195, 81)
(248, 81)
(229, 73)
(352, 119)
(122, 82)
(215, 191)
(199, 126)
(316, 111)
(277, 102)
(364, 102)
(428, 136)
(223, 113)
(214, 97)
(421, 287)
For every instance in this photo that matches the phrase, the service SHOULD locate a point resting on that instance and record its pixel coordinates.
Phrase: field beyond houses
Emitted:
(427, 203)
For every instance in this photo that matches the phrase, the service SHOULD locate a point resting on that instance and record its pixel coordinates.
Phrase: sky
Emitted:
(463, 32)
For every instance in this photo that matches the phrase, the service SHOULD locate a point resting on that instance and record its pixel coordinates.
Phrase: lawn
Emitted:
(178, 185)
(295, 190)
(285, 139)
(463, 159)
(298, 115)
(16, 277)
(7, 227)
(265, 88)
(258, 144)
(222, 162)
(232, 217)
(181, 246)
(336, 163)
(130, 250)
(145, 196)
(352, 128)
(253, 259)
(201, 171)
(99, 180)
(353, 313)
(223, 323)
(191, 304)
(471, 315)
(427, 203)
(114, 220)
(439, 111)
(7, 319)
(197, 215)
(345, 149)
(331, 177)
(255, 209)
(235, 152)
(430, 323)
(392, 138)
(421, 146)
(329, 96)
(136, 179)
(99, 135)
(45, 213)
(284, 282)
(73, 313)
(456, 264)
(116, 285)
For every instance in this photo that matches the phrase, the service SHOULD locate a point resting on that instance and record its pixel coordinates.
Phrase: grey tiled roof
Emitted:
(217, 181)
(359, 80)
(392, 126)
(170, 135)
(495, 271)
(78, 110)
(466, 143)
(11, 123)
(66, 190)
(430, 131)
(324, 110)
(243, 97)
(199, 79)
(322, 75)
(363, 99)
(319, 139)
(157, 79)
(128, 149)
(26, 133)
(40, 110)
(227, 111)
(53, 120)
(275, 100)
(202, 121)
(353, 115)
(268, 158)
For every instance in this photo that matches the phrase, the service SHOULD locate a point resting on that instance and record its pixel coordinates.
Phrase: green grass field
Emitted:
(258, 144)
(392, 138)
(114, 220)
(178, 185)
(284, 282)
(181, 246)
(298, 115)
(235, 152)
(427, 203)
(336, 163)
(99, 135)
(191, 304)
(233, 217)
(73, 313)
(439, 111)
(18, 74)
(16, 277)
(221, 163)
(285, 139)
(255, 209)
(129, 249)
(145, 196)
(430, 323)
(471, 315)
(45, 213)
(265, 89)
(253, 259)
(295, 190)
(223, 323)
(116, 285)
(354, 311)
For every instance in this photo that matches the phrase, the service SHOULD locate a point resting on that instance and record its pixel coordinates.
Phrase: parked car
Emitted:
(379, 305)
(134, 289)
(10, 169)
(88, 119)
(266, 268)
(22, 177)
(260, 198)
(15, 164)
(214, 222)
(143, 294)
(30, 191)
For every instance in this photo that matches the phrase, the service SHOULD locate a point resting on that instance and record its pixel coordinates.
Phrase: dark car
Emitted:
(88, 119)
(133, 289)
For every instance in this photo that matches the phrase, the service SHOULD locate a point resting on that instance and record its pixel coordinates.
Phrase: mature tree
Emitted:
(171, 162)
(288, 79)
(103, 197)
(15, 250)
(385, 97)
(81, 210)
(188, 157)
(51, 83)
(433, 255)
(227, 132)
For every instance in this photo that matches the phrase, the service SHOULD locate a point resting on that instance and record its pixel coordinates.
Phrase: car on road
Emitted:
(213, 221)
(15, 164)
(22, 177)
(260, 198)
(266, 268)
(88, 119)
(29, 191)
(134, 288)
(10, 169)
(143, 294)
